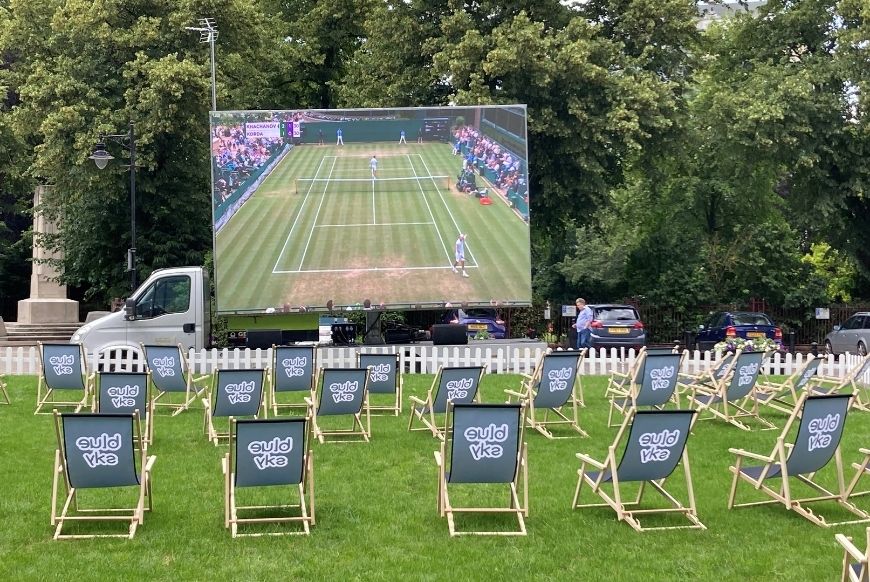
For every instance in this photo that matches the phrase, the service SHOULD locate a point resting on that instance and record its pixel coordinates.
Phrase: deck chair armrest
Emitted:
(416, 400)
(149, 462)
(309, 401)
(514, 393)
(201, 378)
(864, 451)
(850, 548)
(207, 403)
(438, 459)
(527, 376)
(749, 455)
(590, 461)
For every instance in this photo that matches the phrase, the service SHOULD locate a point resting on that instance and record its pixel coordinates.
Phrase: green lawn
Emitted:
(377, 519)
(390, 241)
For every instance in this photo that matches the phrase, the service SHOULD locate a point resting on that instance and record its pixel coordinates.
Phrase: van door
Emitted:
(165, 313)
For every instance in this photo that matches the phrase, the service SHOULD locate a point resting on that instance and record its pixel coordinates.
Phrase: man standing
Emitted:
(338, 139)
(373, 164)
(459, 255)
(584, 318)
(320, 136)
(402, 137)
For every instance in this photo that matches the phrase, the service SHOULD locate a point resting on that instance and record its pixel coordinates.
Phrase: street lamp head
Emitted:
(100, 156)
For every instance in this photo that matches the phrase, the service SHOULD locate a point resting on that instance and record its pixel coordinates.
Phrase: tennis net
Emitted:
(408, 185)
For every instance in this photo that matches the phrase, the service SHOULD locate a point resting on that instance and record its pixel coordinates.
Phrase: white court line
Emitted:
(369, 224)
(446, 207)
(367, 269)
(316, 214)
(298, 214)
(429, 208)
(374, 212)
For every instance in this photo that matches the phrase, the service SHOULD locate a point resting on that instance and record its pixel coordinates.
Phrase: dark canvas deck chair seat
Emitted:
(271, 454)
(342, 393)
(550, 394)
(654, 448)
(784, 395)
(96, 451)
(236, 394)
(459, 385)
(126, 393)
(732, 397)
(817, 441)
(174, 385)
(856, 563)
(292, 373)
(654, 384)
(64, 381)
(856, 381)
(385, 382)
(483, 446)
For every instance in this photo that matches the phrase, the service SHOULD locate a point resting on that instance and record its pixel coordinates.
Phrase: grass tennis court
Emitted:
(377, 518)
(320, 228)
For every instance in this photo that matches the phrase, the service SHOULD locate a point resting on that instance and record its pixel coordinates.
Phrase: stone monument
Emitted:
(47, 302)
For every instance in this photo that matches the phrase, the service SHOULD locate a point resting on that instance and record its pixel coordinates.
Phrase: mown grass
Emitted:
(377, 519)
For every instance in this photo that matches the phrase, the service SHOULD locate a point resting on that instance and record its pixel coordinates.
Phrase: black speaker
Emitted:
(263, 338)
(343, 334)
(444, 334)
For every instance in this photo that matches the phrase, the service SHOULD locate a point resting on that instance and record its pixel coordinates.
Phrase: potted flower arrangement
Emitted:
(759, 344)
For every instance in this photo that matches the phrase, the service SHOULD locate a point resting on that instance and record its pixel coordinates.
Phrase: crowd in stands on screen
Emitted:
(235, 157)
(482, 153)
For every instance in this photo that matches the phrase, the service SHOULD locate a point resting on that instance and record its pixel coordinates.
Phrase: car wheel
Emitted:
(829, 349)
(862, 349)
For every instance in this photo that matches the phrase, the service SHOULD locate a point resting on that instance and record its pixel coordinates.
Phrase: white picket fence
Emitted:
(422, 359)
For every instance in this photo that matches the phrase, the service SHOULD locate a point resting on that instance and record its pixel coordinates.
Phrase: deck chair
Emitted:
(3, 391)
(856, 564)
(342, 392)
(733, 397)
(95, 451)
(236, 393)
(783, 395)
(63, 369)
(654, 384)
(269, 453)
(862, 469)
(384, 378)
(126, 393)
(655, 446)
(720, 368)
(856, 381)
(620, 380)
(457, 384)
(817, 441)
(293, 370)
(552, 389)
(483, 445)
(170, 375)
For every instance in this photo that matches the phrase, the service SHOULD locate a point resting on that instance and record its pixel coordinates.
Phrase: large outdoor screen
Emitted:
(395, 208)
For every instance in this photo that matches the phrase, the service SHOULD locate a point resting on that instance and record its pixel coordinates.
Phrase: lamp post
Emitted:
(101, 158)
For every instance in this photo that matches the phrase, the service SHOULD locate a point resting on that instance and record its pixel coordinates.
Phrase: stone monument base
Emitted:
(48, 311)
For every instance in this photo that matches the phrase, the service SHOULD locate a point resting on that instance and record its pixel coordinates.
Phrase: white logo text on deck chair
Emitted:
(483, 441)
(657, 445)
(123, 396)
(458, 389)
(241, 392)
(294, 366)
(100, 451)
(62, 365)
(272, 453)
(820, 429)
(559, 379)
(343, 391)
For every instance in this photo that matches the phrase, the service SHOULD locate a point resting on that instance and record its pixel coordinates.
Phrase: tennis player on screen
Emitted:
(373, 164)
(459, 255)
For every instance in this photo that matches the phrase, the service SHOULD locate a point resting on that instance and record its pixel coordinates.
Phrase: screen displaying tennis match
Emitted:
(408, 208)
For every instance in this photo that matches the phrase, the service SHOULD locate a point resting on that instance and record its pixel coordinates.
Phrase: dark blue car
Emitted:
(749, 325)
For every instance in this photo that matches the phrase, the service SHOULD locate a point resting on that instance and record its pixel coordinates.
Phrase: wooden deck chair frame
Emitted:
(620, 381)
(687, 382)
(266, 451)
(124, 395)
(659, 371)
(719, 399)
(159, 367)
(856, 564)
(609, 472)
(72, 510)
(783, 396)
(850, 383)
(485, 437)
(293, 370)
(776, 465)
(360, 430)
(3, 391)
(62, 366)
(246, 393)
(385, 378)
(862, 469)
(531, 386)
(424, 410)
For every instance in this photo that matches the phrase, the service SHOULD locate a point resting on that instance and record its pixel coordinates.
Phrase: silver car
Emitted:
(853, 336)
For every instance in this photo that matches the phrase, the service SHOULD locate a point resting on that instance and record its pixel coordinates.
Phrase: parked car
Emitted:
(616, 326)
(853, 336)
(749, 325)
(479, 319)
